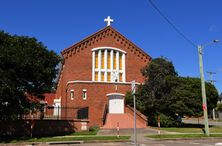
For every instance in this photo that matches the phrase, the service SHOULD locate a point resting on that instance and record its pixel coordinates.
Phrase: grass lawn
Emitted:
(173, 136)
(77, 138)
(213, 129)
(93, 132)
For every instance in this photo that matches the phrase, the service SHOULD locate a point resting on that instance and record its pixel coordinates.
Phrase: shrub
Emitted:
(167, 121)
(219, 107)
(94, 128)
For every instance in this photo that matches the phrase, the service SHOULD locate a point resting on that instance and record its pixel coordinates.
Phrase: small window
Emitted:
(72, 94)
(84, 94)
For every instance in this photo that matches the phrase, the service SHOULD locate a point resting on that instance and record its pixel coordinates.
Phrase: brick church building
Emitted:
(96, 73)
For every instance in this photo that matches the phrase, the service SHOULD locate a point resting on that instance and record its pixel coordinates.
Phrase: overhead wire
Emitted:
(172, 25)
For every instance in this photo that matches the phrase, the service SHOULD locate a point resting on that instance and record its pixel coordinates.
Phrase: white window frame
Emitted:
(106, 70)
(84, 94)
(72, 94)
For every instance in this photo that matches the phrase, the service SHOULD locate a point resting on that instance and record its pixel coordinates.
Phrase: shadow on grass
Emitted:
(10, 139)
(186, 125)
(189, 125)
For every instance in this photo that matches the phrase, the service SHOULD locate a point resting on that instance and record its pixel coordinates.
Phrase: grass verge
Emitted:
(92, 131)
(185, 136)
(77, 138)
(213, 129)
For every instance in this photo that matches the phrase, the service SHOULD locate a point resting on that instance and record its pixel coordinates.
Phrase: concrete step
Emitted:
(124, 121)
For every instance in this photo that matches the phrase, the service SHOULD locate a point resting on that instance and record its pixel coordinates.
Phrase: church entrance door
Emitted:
(116, 104)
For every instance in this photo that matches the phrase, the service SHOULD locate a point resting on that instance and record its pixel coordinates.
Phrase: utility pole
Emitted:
(212, 82)
(133, 85)
(200, 54)
(206, 124)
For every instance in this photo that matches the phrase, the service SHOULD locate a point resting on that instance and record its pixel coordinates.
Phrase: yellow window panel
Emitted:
(108, 76)
(121, 77)
(114, 60)
(96, 76)
(103, 76)
(102, 59)
(97, 59)
(120, 62)
(108, 59)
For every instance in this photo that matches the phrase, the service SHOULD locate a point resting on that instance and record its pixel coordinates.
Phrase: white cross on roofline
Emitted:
(108, 20)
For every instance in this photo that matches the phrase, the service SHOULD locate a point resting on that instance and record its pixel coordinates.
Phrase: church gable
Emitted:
(108, 33)
(80, 59)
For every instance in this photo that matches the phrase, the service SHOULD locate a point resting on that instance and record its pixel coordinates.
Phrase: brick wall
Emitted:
(40, 127)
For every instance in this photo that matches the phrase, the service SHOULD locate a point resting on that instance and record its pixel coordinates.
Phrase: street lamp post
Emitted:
(203, 89)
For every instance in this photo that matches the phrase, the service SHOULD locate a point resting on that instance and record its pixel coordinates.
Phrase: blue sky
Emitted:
(61, 23)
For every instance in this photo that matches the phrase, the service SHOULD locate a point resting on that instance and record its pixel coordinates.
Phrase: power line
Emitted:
(172, 25)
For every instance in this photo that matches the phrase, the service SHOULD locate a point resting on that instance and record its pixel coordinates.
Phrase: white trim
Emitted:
(123, 68)
(112, 94)
(99, 67)
(81, 81)
(111, 66)
(111, 48)
(117, 64)
(105, 61)
(57, 100)
(93, 66)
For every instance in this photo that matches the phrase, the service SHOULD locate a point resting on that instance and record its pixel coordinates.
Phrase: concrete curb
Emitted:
(63, 142)
(178, 139)
(106, 141)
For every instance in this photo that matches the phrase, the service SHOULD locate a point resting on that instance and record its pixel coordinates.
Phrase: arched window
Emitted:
(108, 64)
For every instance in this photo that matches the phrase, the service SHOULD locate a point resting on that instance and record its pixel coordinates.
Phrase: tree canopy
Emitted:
(167, 94)
(26, 68)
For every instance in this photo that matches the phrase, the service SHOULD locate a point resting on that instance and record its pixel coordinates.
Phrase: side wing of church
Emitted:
(96, 74)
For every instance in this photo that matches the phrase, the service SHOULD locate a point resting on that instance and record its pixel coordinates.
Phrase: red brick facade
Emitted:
(76, 73)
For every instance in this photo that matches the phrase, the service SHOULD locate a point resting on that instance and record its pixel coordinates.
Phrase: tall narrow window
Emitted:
(108, 59)
(102, 59)
(120, 62)
(114, 60)
(97, 59)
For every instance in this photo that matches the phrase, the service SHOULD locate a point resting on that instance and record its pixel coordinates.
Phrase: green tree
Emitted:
(186, 98)
(168, 95)
(26, 68)
(155, 92)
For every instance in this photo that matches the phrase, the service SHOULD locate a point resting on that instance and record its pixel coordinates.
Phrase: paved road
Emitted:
(144, 141)
(148, 142)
